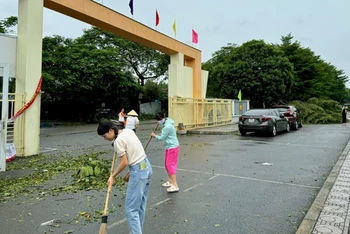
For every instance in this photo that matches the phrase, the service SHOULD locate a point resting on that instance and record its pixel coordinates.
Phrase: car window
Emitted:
(281, 109)
(257, 112)
(273, 113)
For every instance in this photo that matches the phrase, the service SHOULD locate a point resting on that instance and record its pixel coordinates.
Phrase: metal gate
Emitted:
(200, 112)
(5, 68)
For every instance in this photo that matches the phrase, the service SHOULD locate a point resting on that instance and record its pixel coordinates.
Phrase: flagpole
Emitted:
(192, 38)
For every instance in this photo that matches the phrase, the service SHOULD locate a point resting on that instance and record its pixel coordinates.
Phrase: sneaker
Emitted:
(166, 184)
(172, 189)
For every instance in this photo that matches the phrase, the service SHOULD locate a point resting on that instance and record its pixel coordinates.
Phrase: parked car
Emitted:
(263, 120)
(291, 113)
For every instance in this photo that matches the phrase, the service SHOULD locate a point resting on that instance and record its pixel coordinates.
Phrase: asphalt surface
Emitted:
(228, 184)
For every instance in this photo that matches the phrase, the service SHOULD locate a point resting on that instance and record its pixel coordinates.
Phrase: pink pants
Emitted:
(171, 159)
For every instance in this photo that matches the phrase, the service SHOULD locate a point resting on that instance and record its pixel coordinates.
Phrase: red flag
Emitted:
(157, 18)
(194, 37)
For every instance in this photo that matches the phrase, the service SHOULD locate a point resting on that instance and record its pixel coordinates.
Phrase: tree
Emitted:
(258, 69)
(215, 65)
(144, 62)
(81, 77)
(155, 91)
(7, 23)
(313, 77)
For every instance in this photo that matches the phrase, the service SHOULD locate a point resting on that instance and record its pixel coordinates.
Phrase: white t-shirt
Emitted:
(128, 143)
(131, 121)
(121, 117)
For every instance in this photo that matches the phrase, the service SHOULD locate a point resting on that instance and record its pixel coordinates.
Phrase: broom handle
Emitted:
(109, 187)
(151, 137)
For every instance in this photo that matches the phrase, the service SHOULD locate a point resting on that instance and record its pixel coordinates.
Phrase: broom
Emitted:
(126, 177)
(151, 137)
(103, 228)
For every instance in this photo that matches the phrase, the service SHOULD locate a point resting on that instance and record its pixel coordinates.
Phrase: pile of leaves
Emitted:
(91, 173)
(318, 111)
(88, 172)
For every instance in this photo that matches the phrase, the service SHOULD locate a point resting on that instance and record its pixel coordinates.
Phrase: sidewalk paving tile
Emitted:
(334, 217)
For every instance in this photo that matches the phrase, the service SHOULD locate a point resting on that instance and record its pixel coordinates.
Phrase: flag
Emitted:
(194, 37)
(239, 95)
(131, 5)
(174, 27)
(157, 18)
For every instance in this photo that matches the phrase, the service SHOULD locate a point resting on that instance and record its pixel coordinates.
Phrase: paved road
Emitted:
(225, 186)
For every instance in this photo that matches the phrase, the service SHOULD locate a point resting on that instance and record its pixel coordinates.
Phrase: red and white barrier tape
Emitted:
(29, 103)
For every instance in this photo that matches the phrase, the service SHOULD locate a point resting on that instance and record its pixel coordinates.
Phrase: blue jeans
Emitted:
(136, 196)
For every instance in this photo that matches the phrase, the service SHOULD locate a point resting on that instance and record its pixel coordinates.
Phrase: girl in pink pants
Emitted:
(172, 149)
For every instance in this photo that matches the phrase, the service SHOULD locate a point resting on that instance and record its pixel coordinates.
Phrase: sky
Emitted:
(322, 25)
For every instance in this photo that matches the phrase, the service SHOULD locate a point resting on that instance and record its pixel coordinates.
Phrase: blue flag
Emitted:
(131, 5)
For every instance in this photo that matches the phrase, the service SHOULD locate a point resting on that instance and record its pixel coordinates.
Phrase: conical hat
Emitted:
(133, 113)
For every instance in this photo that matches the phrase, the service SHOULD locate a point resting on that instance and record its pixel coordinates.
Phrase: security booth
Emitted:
(239, 108)
(8, 99)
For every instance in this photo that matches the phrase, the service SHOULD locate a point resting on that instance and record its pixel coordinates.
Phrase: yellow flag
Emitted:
(174, 27)
(239, 95)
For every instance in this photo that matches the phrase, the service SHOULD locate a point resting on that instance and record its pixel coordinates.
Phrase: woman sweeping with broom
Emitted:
(131, 154)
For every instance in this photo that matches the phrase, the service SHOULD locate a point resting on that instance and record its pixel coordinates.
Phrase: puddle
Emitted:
(264, 163)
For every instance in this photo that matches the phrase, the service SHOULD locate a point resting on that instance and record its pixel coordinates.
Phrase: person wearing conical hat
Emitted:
(132, 121)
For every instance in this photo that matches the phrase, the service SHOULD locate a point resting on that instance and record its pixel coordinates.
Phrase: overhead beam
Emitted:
(105, 18)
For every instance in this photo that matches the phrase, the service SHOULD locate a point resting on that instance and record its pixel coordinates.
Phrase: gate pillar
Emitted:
(28, 71)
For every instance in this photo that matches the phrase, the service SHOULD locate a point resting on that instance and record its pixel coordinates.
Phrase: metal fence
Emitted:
(198, 113)
(17, 126)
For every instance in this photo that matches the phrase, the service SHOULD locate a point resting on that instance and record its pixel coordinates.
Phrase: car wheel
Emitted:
(243, 133)
(274, 131)
(287, 127)
(300, 125)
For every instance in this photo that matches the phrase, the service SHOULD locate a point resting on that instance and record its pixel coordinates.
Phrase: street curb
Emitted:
(67, 133)
(208, 132)
(310, 219)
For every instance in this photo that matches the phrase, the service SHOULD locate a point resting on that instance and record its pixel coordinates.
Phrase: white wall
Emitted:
(8, 51)
(180, 80)
(204, 83)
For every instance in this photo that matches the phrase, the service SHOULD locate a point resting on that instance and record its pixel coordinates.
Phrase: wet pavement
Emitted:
(228, 184)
